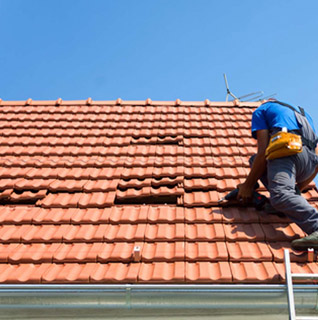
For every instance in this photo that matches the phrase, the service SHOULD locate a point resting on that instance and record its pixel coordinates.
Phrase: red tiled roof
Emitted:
(127, 192)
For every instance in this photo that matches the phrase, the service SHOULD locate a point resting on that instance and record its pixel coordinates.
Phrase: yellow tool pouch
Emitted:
(283, 144)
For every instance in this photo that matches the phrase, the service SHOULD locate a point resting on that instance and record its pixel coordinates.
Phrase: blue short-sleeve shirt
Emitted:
(271, 115)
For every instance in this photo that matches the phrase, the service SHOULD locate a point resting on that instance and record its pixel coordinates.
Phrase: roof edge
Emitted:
(89, 101)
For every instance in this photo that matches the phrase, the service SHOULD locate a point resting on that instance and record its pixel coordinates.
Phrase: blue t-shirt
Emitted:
(272, 115)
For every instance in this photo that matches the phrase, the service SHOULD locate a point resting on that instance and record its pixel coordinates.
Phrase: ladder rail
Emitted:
(290, 290)
(289, 284)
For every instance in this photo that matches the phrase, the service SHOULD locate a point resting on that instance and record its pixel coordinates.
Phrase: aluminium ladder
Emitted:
(289, 284)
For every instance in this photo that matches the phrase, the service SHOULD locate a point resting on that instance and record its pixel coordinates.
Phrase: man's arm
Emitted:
(258, 167)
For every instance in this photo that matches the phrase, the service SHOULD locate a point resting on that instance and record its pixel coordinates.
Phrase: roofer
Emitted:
(282, 173)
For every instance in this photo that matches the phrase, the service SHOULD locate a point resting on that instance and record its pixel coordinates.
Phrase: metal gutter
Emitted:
(269, 298)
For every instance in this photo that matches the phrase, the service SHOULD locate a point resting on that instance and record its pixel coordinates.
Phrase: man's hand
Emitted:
(245, 192)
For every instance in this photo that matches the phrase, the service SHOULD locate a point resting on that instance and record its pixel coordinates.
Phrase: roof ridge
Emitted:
(147, 102)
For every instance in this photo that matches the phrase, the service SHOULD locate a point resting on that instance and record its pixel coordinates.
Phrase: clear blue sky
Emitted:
(158, 49)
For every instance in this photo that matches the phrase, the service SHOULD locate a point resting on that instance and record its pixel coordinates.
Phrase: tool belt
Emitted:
(283, 144)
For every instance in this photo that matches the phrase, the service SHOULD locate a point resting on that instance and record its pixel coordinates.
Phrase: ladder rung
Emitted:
(304, 275)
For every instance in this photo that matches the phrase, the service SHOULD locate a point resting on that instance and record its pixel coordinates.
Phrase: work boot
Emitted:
(310, 241)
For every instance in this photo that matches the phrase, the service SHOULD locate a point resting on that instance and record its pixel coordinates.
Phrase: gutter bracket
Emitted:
(128, 297)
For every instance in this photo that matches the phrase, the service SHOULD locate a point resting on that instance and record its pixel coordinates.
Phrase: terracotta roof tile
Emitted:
(162, 272)
(241, 232)
(206, 251)
(204, 232)
(208, 272)
(127, 192)
(205, 215)
(249, 251)
(208, 198)
(254, 272)
(163, 251)
(282, 232)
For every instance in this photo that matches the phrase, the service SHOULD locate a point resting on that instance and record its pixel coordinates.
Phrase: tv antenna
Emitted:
(251, 96)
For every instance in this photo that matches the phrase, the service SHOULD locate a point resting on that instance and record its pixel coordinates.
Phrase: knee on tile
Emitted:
(279, 198)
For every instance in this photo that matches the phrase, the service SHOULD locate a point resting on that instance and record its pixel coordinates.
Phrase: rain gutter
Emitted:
(257, 297)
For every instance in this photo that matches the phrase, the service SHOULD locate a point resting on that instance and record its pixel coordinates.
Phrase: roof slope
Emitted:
(127, 192)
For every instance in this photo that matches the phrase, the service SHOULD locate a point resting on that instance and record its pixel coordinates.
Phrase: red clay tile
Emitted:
(165, 214)
(254, 272)
(277, 249)
(230, 161)
(165, 150)
(32, 253)
(311, 195)
(165, 232)
(125, 232)
(97, 200)
(65, 273)
(163, 251)
(228, 184)
(67, 185)
(311, 268)
(200, 172)
(225, 151)
(115, 273)
(111, 252)
(129, 214)
(197, 151)
(272, 218)
(204, 232)
(206, 251)
(27, 196)
(282, 232)
(168, 171)
(61, 200)
(197, 142)
(198, 161)
(134, 183)
(200, 184)
(244, 232)
(35, 184)
(100, 185)
(132, 193)
(204, 215)
(240, 215)
(162, 272)
(166, 181)
(5, 194)
(201, 198)
(142, 173)
(208, 272)
(90, 215)
(249, 251)
(221, 173)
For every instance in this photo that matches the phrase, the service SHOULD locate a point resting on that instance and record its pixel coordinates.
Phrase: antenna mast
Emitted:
(251, 96)
(228, 92)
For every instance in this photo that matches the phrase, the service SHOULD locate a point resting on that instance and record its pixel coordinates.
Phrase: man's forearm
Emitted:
(257, 170)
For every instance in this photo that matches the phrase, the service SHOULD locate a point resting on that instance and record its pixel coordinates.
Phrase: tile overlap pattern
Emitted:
(127, 192)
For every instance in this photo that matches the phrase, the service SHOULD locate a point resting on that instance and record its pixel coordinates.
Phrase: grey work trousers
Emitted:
(280, 179)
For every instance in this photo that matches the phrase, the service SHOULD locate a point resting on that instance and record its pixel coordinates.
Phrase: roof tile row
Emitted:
(135, 214)
(198, 129)
(149, 232)
(150, 251)
(184, 272)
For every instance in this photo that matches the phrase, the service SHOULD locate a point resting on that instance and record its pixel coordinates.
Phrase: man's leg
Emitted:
(282, 180)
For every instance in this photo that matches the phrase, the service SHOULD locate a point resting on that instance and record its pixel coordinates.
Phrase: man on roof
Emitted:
(285, 176)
